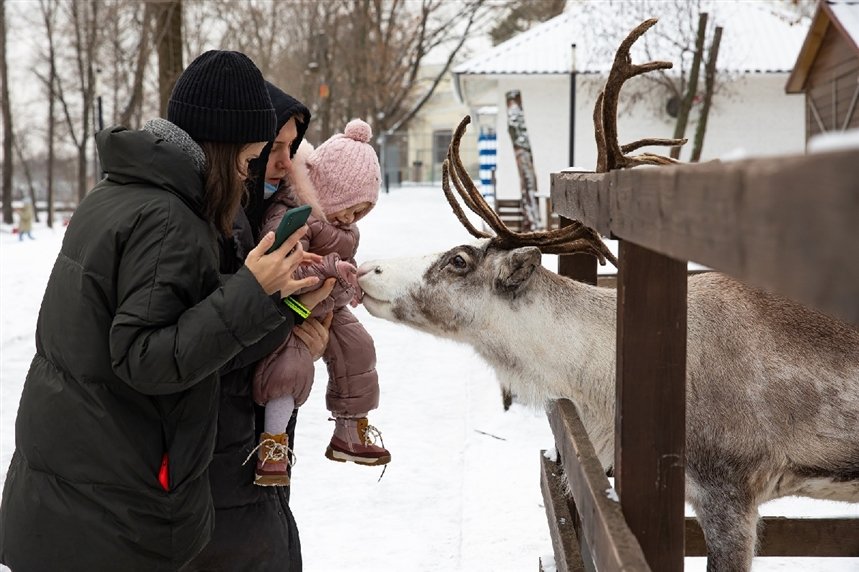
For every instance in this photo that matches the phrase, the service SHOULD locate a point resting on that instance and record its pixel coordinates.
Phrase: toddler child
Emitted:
(340, 180)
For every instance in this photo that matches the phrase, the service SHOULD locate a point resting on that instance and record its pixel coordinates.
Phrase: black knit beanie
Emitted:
(286, 107)
(221, 96)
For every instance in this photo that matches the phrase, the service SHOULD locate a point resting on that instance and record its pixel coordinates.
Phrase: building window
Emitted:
(440, 143)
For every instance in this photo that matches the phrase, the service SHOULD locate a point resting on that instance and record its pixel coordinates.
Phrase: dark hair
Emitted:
(222, 185)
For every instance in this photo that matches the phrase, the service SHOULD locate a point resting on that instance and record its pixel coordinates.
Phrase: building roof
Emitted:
(755, 38)
(845, 17)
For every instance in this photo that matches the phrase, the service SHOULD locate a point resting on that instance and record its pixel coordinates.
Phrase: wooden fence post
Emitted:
(651, 402)
(581, 267)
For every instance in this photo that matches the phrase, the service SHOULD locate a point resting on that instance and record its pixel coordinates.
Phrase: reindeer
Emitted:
(772, 386)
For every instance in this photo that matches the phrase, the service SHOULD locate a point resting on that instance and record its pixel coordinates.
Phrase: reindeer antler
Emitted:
(566, 240)
(610, 155)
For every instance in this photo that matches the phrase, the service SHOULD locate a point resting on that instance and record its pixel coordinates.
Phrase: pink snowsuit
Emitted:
(353, 385)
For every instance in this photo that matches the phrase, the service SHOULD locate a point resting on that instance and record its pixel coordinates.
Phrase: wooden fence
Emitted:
(788, 225)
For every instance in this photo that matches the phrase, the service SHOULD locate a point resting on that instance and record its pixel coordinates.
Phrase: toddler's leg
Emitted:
(353, 390)
(273, 450)
(277, 414)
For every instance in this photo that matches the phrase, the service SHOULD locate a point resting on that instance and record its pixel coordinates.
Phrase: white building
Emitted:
(751, 113)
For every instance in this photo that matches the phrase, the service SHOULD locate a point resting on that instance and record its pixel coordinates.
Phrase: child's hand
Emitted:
(350, 274)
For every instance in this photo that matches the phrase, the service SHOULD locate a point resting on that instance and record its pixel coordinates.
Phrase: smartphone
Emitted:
(292, 220)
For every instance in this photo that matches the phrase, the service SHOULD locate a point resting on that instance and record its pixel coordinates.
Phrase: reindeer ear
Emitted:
(516, 268)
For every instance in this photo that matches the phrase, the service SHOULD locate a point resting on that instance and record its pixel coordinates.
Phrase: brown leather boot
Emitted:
(354, 440)
(273, 458)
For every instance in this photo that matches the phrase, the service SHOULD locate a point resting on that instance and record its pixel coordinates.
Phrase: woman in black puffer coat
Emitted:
(255, 530)
(116, 424)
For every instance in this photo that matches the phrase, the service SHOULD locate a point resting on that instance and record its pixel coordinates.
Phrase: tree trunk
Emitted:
(50, 166)
(524, 161)
(710, 80)
(48, 15)
(136, 99)
(86, 30)
(82, 172)
(692, 88)
(169, 48)
(7, 122)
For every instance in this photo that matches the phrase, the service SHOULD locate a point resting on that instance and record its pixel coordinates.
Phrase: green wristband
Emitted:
(297, 307)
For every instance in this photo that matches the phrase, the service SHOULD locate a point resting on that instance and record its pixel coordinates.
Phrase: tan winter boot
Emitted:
(273, 459)
(354, 440)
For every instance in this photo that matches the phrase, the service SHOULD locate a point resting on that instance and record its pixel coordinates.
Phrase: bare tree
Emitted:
(83, 19)
(169, 42)
(521, 15)
(8, 134)
(680, 37)
(692, 87)
(48, 9)
(710, 78)
(261, 30)
(132, 64)
(345, 58)
(349, 58)
(382, 53)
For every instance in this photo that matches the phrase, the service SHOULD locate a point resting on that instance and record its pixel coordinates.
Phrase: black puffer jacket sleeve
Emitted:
(252, 354)
(157, 344)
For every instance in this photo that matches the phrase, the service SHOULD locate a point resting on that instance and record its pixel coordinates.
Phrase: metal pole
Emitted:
(572, 157)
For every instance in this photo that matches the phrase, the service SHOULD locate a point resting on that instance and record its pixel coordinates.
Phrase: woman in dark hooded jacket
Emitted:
(116, 423)
(254, 526)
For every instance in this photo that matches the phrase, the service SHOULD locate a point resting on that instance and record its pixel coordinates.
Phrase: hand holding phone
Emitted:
(292, 220)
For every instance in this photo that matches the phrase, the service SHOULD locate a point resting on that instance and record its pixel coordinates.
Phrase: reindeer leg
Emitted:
(729, 520)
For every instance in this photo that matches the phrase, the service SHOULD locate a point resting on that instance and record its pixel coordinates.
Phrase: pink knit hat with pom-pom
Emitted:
(345, 170)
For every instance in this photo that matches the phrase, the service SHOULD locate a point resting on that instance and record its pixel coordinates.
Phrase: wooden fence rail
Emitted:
(785, 224)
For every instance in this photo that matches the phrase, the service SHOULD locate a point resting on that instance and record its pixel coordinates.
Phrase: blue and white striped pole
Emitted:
(487, 148)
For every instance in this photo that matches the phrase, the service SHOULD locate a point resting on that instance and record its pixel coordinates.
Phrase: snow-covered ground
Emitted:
(462, 492)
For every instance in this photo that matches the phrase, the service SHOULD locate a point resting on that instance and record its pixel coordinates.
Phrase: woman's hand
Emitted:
(314, 334)
(275, 271)
(312, 298)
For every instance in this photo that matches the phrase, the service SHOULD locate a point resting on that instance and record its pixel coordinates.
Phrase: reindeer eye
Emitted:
(458, 262)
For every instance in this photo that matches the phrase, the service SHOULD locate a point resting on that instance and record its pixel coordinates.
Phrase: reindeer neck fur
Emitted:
(559, 325)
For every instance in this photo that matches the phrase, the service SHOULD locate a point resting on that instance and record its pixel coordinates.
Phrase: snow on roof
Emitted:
(755, 38)
(847, 16)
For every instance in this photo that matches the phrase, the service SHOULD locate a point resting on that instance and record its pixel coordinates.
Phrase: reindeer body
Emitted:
(772, 387)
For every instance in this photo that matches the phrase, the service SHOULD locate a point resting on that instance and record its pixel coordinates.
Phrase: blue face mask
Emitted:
(268, 190)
